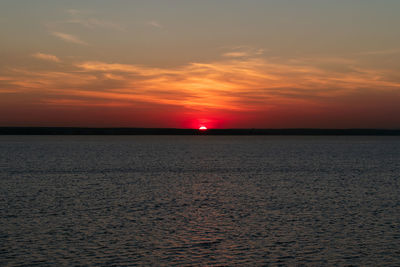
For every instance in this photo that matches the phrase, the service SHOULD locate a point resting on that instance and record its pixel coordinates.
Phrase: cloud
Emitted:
(4, 78)
(240, 84)
(74, 12)
(381, 52)
(46, 57)
(92, 23)
(236, 54)
(243, 51)
(297, 92)
(155, 24)
(69, 38)
(250, 83)
(115, 67)
(81, 17)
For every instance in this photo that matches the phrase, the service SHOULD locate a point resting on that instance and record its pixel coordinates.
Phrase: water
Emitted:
(199, 200)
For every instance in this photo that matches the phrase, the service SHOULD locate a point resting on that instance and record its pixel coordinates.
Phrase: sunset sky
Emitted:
(187, 63)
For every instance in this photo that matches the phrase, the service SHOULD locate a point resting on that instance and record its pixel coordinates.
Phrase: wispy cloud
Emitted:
(235, 54)
(69, 38)
(116, 67)
(250, 83)
(243, 51)
(74, 12)
(155, 24)
(46, 57)
(96, 23)
(381, 52)
(86, 19)
(237, 83)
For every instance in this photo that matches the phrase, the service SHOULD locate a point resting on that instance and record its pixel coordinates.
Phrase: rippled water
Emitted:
(199, 200)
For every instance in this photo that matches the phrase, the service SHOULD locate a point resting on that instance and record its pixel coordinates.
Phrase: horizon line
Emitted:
(191, 131)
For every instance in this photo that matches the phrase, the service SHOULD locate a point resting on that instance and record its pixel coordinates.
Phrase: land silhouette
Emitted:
(176, 131)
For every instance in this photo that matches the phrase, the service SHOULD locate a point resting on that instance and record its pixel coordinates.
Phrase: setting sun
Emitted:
(203, 128)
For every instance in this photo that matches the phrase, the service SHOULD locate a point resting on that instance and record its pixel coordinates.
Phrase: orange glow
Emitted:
(229, 92)
(168, 70)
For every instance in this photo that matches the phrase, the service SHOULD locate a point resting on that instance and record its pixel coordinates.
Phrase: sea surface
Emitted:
(199, 200)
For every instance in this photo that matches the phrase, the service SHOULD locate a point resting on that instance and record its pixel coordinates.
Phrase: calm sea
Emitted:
(199, 200)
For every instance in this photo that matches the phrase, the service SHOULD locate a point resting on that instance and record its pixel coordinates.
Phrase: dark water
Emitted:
(199, 200)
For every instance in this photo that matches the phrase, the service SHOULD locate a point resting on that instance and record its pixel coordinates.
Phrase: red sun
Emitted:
(203, 128)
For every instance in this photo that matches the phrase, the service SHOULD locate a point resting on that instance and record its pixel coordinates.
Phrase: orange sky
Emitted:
(82, 65)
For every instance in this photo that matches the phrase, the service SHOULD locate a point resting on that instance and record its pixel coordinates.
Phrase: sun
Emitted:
(203, 128)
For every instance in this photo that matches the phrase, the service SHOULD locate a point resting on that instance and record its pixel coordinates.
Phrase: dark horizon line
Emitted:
(183, 131)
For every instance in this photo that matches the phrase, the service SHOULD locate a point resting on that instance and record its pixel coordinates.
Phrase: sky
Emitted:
(189, 63)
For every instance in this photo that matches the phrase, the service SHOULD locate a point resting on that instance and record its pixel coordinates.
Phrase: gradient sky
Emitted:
(186, 63)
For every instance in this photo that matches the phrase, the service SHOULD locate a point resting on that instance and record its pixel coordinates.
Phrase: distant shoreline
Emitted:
(172, 131)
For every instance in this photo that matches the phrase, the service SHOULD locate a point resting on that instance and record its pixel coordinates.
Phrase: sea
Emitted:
(199, 201)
